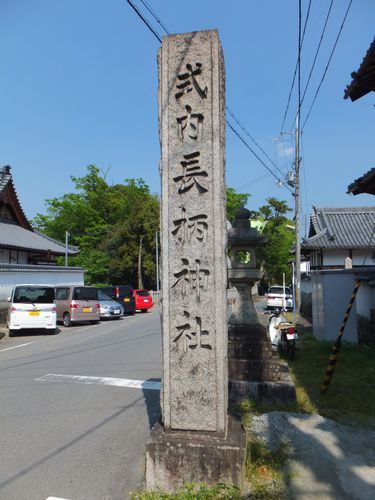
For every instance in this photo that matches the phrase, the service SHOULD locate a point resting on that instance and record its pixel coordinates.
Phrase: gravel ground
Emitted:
(328, 460)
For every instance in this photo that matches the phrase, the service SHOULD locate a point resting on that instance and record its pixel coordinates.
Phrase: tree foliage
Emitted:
(107, 223)
(276, 255)
(234, 202)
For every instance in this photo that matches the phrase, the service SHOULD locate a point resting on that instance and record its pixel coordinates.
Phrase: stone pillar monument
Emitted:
(194, 441)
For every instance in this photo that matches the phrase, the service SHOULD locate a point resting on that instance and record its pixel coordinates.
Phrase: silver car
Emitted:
(109, 308)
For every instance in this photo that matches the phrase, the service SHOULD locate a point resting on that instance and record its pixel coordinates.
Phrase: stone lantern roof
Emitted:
(241, 233)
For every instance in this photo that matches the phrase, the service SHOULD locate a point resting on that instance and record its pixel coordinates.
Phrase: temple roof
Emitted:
(16, 231)
(341, 228)
(9, 198)
(364, 79)
(364, 184)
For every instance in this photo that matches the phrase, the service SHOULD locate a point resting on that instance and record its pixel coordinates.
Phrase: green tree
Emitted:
(234, 202)
(276, 255)
(106, 222)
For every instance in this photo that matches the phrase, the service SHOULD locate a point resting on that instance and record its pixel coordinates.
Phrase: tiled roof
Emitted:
(5, 267)
(364, 184)
(5, 180)
(14, 236)
(335, 228)
(364, 79)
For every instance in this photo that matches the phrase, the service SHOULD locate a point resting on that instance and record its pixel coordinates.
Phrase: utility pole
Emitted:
(297, 212)
(66, 248)
(140, 281)
(297, 201)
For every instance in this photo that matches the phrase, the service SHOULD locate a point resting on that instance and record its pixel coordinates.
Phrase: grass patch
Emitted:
(265, 470)
(351, 394)
(192, 492)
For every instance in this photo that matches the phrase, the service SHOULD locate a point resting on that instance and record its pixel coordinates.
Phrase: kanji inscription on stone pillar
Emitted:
(193, 232)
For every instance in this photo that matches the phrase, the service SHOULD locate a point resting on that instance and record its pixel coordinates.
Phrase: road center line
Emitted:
(15, 346)
(153, 385)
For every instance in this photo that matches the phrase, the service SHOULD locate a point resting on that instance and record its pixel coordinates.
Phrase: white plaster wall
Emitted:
(334, 257)
(331, 295)
(8, 279)
(317, 305)
(360, 258)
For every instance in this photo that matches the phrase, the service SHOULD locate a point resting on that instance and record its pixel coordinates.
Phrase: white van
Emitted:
(32, 307)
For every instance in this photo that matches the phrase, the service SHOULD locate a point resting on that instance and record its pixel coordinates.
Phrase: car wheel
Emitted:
(94, 322)
(144, 310)
(12, 333)
(67, 322)
(51, 331)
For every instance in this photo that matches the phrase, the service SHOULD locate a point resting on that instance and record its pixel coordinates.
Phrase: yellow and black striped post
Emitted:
(336, 346)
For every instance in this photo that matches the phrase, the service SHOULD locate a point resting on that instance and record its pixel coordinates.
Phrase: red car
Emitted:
(143, 300)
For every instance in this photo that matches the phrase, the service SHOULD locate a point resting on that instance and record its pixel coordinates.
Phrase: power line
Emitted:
(327, 66)
(135, 8)
(157, 19)
(315, 57)
(296, 68)
(256, 156)
(252, 138)
(149, 26)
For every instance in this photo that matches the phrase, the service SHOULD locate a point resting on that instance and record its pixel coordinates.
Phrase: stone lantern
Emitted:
(253, 371)
(243, 273)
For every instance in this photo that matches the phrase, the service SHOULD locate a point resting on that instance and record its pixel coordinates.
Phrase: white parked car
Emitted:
(277, 299)
(32, 307)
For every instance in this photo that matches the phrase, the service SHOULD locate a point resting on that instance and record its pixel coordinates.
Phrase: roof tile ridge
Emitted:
(317, 235)
(49, 238)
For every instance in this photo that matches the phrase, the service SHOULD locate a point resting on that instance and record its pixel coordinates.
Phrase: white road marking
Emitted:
(115, 382)
(15, 346)
(56, 498)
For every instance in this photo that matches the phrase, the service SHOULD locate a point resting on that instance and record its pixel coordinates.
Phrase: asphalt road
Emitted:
(74, 416)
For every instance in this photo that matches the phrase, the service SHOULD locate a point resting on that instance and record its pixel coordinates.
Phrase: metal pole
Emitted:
(66, 248)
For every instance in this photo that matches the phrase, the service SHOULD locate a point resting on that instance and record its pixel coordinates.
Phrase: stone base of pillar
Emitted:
(176, 458)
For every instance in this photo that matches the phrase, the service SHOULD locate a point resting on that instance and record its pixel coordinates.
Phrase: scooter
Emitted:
(282, 334)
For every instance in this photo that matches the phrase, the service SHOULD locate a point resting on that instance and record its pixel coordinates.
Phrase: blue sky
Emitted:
(78, 86)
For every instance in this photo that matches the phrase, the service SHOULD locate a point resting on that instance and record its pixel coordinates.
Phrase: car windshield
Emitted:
(143, 293)
(279, 290)
(85, 293)
(34, 295)
(103, 296)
